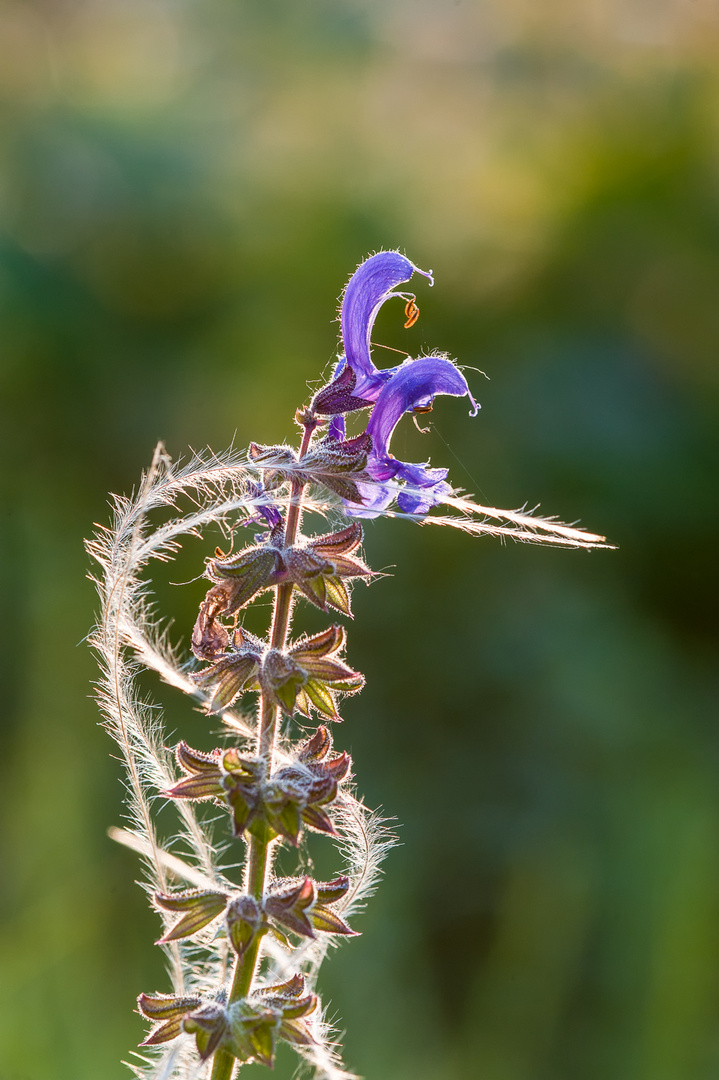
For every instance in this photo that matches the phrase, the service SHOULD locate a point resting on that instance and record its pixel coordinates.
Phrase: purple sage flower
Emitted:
(369, 287)
(412, 386)
(407, 387)
(357, 382)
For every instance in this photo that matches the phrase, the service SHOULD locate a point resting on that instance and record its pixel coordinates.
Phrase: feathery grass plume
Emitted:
(244, 950)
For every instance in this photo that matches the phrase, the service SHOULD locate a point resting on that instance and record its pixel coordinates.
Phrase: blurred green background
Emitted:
(186, 186)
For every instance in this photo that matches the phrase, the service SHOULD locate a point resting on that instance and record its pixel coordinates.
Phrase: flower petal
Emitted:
(368, 288)
(413, 385)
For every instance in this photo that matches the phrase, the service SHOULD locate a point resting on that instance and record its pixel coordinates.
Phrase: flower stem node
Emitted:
(337, 463)
(293, 797)
(257, 1022)
(248, 1029)
(307, 675)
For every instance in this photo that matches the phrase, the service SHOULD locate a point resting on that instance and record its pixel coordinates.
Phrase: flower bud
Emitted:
(317, 747)
(210, 1026)
(338, 543)
(279, 456)
(244, 922)
(337, 397)
(242, 787)
(204, 776)
(168, 1008)
(200, 907)
(209, 637)
(281, 679)
(325, 674)
(338, 464)
(244, 574)
(296, 905)
(232, 673)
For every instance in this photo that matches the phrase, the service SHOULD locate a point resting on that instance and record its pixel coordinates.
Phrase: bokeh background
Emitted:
(186, 186)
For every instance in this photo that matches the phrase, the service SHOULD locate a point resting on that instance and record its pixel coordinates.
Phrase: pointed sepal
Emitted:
(198, 907)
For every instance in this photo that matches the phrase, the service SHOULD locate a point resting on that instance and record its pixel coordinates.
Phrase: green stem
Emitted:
(259, 850)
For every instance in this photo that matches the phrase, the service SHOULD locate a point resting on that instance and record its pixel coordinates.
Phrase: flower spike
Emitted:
(272, 791)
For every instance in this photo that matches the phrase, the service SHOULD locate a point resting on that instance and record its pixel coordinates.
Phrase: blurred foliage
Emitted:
(185, 188)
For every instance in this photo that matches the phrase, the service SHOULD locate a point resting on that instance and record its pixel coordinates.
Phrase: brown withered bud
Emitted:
(209, 637)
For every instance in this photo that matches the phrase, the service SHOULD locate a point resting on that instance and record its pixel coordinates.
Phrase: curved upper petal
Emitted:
(368, 288)
(413, 385)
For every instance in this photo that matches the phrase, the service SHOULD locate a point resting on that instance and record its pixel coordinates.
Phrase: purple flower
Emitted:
(412, 386)
(368, 288)
(408, 387)
(357, 382)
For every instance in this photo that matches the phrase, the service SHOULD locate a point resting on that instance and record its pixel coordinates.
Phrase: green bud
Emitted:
(295, 1032)
(337, 594)
(281, 678)
(202, 786)
(318, 819)
(244, 574)
(200, 907)
(168, 1008)
(244, 922)
(329, 921)
(321, 698)
(285, 817)
(331, 545)
(242, 801)
(261, 1038)
(210, 1027)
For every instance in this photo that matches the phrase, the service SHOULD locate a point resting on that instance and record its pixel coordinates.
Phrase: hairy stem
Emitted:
(259, 850)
